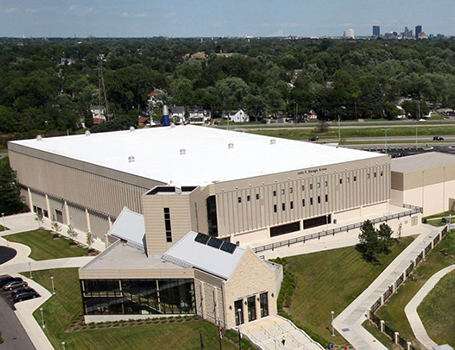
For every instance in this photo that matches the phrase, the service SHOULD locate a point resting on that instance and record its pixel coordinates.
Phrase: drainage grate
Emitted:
(345, 329)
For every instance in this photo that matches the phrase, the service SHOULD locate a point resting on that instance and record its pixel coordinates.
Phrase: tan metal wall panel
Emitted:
(135, 274)
(99, 224)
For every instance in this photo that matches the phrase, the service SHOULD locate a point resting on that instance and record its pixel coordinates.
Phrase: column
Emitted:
(67, 213)
(396, 337)
(48, 206)
(87, 218)
(381, 326)
(30, 199)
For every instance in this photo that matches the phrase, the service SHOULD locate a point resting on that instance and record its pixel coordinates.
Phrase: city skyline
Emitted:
(202, 18)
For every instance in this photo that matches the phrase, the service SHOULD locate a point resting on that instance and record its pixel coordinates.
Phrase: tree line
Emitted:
(50, 84)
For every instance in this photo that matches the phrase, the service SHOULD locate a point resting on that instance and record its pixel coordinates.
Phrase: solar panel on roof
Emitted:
(228, 247)
(214, 242)
(201, 238)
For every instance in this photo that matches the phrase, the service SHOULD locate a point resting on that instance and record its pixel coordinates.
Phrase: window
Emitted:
(375, 174)
(341, 181)
(319, 199)
(167, 224)
(239, 199)
(326, 198)
(251, 304)
(368, 176)
(303, 187)
(303, 202)
(283, 206)
(274, 208)
(238, 310)
(248, 198)
(284, 229)
(347, 180)
(382, 173)
(326, 183)
(311, 186)
(282, 191)
(274, 193)
(291, 190)
(319, 185)
(257, 196)
(292, 205)
(311, 201)
(355, 178)
(264, 302)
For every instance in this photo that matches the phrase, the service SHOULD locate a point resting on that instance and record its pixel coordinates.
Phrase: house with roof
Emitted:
(311, 116)
(153, 97)
(200, 274)
(98, 114)
(238, 116)
(177, 114)
(199, 115)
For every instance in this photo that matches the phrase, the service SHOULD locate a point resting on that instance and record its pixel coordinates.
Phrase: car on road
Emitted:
(314, 138)
(15, 284)
(6, 280)
(21, 290)
(438, 138)
(25, 296)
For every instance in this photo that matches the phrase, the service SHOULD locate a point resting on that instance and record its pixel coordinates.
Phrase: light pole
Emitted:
(53, 287)
(4, 226)
(30, 269)
(240, 333)
(63, 345)
(333, 328)
(42, 318)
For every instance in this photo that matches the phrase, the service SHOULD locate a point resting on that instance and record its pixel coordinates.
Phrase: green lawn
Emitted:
(331, 280)
(437, 311)
(389, 344)
(66, 306)
(392, 312)
(44, 246)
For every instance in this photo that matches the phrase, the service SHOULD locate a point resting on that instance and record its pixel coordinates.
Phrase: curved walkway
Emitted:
(411, 309)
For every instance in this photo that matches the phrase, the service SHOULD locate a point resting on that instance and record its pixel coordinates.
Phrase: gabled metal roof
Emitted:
(130, 227)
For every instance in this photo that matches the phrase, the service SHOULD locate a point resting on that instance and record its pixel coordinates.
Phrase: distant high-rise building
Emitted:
(350, 33)
(407, 33)
(418, 31)
(376, 30)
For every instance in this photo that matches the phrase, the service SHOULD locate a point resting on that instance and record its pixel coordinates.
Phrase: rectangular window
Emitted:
(303, 202)
(347, 180)
(368, 176)
(248, 198)
(326, 183)
(167, 224)
(283, 206)
(303, 187)
(238, 309)
(251, 304)
(319, 185)
(274, 208)
(375, 174)
(264, 300)
(282, 191)
(292, 205)
(341, 181)
(291, 190)
(355, 178)
(257, 195)
(319, 199)
(311, 201)
(239, 199)
(274, 193)
(283, 229)
(382, 173)
(311, 186)
(326, 198)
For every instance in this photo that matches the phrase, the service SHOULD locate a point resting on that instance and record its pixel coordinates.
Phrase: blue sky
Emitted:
(206, 18)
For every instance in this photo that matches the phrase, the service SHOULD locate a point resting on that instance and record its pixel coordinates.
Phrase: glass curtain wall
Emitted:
(143, 297)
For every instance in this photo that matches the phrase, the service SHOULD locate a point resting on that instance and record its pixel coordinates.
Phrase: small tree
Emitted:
(56, 227)
(90, 239)
(385, 237)
(400, 226)
(369, 244)
(72, 232)
(39, 218)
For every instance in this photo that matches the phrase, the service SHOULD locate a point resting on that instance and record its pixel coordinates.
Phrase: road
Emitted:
(13, 334)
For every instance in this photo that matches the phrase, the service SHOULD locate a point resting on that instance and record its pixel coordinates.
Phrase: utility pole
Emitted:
(102, 88)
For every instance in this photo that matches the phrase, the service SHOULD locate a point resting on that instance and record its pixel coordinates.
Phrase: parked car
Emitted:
(21, 290)
(9, 279)
(14, 285)
(25, 296)
(314, 138)
(438, 138)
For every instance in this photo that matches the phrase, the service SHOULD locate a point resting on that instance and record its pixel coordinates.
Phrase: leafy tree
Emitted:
(369, 244)
(56, 227)
(39, 218)
(385, 237)
(10, 190)
(72, 233)
(89, 239)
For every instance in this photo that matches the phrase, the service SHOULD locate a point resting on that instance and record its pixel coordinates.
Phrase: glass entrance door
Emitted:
(264, 300)
(238, 308)
(251, 302)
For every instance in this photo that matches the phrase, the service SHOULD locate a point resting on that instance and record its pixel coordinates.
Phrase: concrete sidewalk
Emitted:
(349, 322)
(411, 309)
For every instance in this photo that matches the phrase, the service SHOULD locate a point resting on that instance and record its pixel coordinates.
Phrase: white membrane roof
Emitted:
(194, 155)
(189, 253)
(423, 161)
(130, 227)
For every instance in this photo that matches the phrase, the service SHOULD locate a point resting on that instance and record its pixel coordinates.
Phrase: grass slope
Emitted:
(437, 311)
(331, 280)
(44, 246)
(392, 312)
(66, 306)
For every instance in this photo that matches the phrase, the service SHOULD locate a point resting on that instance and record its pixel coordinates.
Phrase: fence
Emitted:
(389, 291)
(332, 232)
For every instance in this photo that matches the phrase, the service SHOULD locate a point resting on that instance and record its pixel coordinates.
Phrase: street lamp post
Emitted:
(53, 287)
(333, 328)
(239, 311)
(385, 141)
(63, 345)
(42, 318)
(30, 269)
(4, 226)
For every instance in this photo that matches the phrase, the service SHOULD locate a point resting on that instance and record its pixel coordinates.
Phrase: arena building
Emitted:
(176, 193)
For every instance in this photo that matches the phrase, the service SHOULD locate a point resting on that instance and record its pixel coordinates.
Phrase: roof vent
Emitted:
(172, 125)
(131, 159)
(39, 138)
(87, 133)
(231, 145)
(182, 151)
(132, 128)
(272, 141)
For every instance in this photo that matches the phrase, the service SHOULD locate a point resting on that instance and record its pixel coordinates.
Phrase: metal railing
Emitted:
(332, 232)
